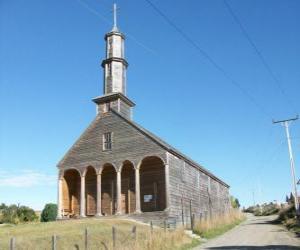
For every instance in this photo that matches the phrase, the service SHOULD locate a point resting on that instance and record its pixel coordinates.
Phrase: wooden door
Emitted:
(108, 197)
(125, 196)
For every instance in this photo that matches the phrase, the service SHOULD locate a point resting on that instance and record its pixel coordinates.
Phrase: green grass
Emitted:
(70, 233)
(191, 245)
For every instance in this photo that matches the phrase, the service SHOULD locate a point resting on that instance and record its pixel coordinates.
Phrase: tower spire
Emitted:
(115, 28)
(114, 67)
(115, 15)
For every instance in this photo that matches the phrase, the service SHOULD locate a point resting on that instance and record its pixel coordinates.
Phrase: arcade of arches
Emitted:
(110, 191)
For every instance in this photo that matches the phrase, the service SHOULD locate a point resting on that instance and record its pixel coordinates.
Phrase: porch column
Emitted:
(137, 191)
(119, 209)
(99, 213)
(167, 183)
(82, 197)
(59, 197)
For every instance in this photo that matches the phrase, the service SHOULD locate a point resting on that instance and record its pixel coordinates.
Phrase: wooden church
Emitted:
(117, 167)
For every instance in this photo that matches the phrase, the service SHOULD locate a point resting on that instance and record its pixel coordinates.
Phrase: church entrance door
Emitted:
(108, 190)
(125, 196)
(152, 182)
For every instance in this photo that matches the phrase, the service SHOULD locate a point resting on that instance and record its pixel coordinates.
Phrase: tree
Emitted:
(49, 212)
(237, 203)
(16, 214)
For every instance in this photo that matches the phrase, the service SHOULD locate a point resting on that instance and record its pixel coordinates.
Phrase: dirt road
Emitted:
(255, 233)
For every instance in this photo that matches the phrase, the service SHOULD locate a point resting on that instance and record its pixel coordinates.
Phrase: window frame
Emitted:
(107, 141)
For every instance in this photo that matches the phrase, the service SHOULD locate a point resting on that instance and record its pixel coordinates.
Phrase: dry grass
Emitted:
(218, 225)
(70, 233)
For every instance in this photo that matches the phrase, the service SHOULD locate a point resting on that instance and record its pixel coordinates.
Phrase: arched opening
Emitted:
(152, 181)
(71, 193)
(91, 191)
(108, 190)
(127, 188)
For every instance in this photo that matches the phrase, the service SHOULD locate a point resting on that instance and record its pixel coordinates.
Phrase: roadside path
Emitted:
(255, 233)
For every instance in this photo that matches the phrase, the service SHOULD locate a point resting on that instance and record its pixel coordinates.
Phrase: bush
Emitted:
(49, 213)
(16, 214)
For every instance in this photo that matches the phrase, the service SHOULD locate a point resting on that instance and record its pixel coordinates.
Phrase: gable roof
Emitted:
(168, 147)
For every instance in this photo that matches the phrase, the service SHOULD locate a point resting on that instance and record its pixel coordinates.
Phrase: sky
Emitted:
(50, 56)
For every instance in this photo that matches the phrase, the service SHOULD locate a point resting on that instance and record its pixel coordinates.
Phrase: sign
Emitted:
(148, 197)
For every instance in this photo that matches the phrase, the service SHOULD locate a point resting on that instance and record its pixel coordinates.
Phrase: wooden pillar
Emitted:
(59, 197)
(99, 213)
(82, 197)
(137, 191)
(167, 185)
(119, 208)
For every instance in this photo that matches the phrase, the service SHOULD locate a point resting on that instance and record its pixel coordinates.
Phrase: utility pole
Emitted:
(286, 124)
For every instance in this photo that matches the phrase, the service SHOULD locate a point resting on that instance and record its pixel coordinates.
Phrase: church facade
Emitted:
(118, 167)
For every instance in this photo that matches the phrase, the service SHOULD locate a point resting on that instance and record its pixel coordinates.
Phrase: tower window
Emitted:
(107, 141)
(106, 107)
(109, 70)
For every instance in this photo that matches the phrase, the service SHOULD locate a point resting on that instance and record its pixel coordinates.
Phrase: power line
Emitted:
(107, 21)
(259, 54)
(208, 57)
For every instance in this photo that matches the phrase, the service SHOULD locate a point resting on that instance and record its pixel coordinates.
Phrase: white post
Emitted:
(119, 210)
(99, 213)
(286, 124)
(137, 191)
(167, 184)
(82, 197)
(59, 197)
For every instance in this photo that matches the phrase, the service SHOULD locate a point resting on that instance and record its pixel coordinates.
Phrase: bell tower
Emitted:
(114, 68)
(114, 64)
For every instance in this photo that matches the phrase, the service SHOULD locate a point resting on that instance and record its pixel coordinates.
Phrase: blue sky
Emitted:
(50, 70)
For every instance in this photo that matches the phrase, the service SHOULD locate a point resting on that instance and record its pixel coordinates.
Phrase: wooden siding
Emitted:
(198, 188)
(128, 144)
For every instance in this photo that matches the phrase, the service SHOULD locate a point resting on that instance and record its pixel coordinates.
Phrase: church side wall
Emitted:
(190, 186)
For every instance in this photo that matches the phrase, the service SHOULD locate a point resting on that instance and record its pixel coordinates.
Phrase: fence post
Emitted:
(133, 231)
(182, 214)
(12, 244)
(193, 222)
(151, 226)
(86, 239)
(54, 242)
(191, 218)
(114, 236)
(165, 225)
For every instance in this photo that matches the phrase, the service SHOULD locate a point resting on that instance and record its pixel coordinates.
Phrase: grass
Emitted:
(212, 227)
(70, 233)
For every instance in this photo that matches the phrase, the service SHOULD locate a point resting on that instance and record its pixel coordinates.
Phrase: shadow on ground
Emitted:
(269, 247)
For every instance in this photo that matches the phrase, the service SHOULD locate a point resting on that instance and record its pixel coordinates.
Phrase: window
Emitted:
(106, 107)
(107, 141)
(109, 70)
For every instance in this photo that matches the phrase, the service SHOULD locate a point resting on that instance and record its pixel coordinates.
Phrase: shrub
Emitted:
(49, 213)
(16, 214)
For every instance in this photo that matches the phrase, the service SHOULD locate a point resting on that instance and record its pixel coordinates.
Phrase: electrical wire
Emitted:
(259, 54)
(209, 58)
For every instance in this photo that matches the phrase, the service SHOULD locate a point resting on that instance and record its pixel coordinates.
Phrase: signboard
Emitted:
(148, 197)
